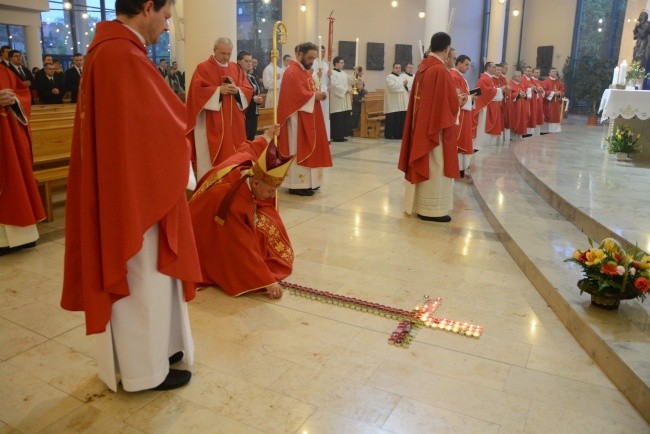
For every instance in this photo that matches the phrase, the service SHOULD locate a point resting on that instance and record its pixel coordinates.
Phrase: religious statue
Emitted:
(642, 36)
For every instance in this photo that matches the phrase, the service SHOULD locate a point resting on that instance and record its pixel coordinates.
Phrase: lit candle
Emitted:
(356, 53)
(421, 49)
(615, 78)
(320, 52)
(622, 72)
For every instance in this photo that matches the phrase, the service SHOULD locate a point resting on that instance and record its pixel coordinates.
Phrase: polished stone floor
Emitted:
(299, 366)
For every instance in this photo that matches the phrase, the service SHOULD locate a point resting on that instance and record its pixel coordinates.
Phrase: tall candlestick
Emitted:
(320, 50)
(421, 49)
(622, 73)
(356, 53)
(615, 77)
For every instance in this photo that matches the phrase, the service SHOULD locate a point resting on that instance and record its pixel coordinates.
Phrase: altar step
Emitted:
(539, 238)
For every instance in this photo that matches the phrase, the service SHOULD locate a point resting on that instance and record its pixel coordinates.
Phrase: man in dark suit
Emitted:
(73, 76)
(244, 59)
(23, 73)
(50, 86)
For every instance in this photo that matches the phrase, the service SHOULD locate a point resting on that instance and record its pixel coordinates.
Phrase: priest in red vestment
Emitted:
(20, 202)
(463, 131)
(217, 99)
(531, 100)
(243, 244)
(502, 81)
(303, 127)
(518, 107)
(540, 99)
(130, 257)
(429, 154)
(487, 109)
(554, 90)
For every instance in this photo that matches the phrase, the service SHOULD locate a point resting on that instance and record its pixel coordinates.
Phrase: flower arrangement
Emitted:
(611, 271)
(636, 72)
(623, 140)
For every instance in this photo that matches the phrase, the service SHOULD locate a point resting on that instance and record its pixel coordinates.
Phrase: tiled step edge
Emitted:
(625, 379)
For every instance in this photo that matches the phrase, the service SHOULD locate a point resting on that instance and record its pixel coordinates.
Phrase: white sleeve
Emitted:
(393, 84)
(499, 96)
(214, 102)
(309, 105)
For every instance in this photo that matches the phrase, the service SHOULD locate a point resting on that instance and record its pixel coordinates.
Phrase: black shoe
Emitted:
(175, 379)
(175, 358)
(526, 135)
(340, 140)
(475, 150)
(443, 219)
(462, 173)
(301, 191)
(7, 250)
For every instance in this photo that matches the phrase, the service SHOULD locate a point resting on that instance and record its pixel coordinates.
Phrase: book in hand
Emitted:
(475, 92)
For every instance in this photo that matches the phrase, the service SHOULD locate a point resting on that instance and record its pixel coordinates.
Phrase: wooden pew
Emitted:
(265, 119)
(372, 115)
(51, 146)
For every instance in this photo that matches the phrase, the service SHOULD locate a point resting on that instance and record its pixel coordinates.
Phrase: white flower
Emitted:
(632, 271)
(620, 270)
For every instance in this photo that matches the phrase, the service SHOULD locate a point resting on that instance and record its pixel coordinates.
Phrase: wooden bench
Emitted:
(372, 115)
(49, 180)
(265, 119)
(51, 144)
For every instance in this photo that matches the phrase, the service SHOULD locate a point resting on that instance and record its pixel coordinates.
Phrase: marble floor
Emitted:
(299, 366)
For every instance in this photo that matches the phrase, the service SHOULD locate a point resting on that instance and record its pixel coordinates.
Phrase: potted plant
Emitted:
(611, 274)
(595, 76)
(636, 74)
(623, 142)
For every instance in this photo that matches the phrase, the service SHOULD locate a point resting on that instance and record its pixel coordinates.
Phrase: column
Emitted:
(496, 31)
(205, 21)
(34, 47)
(176, 35)
(435, 20)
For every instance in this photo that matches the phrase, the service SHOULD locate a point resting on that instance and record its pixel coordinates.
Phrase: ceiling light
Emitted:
(515, 13)
(84, 16)
(394, 3)
(421, 14)
(67, 6)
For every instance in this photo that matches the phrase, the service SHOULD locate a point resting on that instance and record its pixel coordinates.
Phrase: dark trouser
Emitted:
(340, 125)
(251, 127)
(394, 125)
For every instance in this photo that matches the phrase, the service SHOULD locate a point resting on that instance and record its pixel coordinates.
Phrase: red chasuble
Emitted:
(432, 109)
(502, 81)
(493, 119)
(226, 128)
(20, 203)
(553, 108)
(463, 131)
(531, 120)
(539, 102)
(250, 248)
(297, 89)
(518, 109)
(129, 167)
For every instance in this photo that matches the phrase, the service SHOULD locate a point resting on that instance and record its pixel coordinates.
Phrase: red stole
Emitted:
(225, 128)
(313, 146)
(433, 107)
(128, 171)
(20, 202)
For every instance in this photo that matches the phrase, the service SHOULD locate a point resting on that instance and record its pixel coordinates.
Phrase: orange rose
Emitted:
(609, 269)
(642, 284)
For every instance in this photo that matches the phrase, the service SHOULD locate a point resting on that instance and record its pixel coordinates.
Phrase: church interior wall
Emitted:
(548, 22)
(466, 32)
(368, 20)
